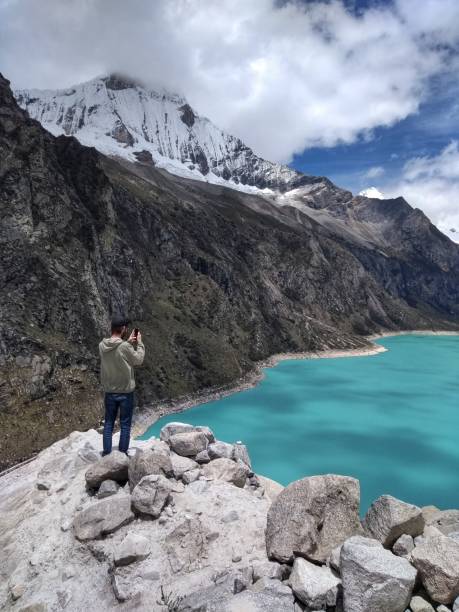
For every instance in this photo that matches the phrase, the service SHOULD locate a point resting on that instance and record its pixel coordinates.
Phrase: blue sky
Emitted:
(424, 133)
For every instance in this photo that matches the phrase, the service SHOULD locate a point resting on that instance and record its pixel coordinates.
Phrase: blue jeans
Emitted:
(125, 403)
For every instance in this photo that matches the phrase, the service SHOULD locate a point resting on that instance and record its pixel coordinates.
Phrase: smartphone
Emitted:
(136, 332)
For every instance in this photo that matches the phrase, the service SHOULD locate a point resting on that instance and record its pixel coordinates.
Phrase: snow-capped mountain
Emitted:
(121, 117)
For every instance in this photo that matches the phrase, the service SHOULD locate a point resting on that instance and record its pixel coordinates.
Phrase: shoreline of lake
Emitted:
(154, 412)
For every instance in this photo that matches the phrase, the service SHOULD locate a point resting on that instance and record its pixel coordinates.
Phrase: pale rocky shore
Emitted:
(184, 525)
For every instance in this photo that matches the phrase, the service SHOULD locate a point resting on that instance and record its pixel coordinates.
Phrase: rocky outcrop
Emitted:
(193, 544)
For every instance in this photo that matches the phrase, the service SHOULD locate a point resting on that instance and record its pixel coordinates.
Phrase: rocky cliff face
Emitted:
(122, 118)
(216, 278)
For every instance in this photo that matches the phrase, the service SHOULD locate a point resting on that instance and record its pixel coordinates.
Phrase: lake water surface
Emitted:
(390, 419)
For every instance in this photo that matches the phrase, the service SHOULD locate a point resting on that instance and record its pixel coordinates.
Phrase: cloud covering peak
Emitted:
(282, 76)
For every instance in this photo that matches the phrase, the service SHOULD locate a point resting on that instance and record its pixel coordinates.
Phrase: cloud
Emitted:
(374, 172)
(282, 76)
(431, 183)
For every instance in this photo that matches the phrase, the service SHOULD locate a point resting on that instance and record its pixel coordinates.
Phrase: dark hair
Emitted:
(118, 322)
(117, 329)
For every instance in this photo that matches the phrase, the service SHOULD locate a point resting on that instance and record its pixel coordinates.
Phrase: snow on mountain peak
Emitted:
(121, 117)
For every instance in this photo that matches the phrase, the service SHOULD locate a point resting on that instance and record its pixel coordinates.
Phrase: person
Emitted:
(118, 358)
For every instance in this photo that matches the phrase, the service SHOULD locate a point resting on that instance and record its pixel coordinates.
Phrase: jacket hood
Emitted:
(109, 344)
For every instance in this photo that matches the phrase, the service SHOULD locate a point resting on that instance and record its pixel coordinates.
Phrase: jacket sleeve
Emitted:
(134, 357)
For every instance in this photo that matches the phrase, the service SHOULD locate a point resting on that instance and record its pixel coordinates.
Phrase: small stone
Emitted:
(17, 591)
(134, 547)
(419, 604)
(403, 546)
(107, 488)
(236, 558)
(202, 457)
(269, 569)
(191, 476)
(315, 586)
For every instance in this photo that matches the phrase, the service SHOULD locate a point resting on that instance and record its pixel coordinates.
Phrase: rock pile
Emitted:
(184, 525)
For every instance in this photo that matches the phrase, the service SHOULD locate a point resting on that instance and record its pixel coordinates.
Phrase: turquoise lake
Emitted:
(390, 419)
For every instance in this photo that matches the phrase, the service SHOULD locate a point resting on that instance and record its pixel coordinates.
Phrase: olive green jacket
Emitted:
(117, 361)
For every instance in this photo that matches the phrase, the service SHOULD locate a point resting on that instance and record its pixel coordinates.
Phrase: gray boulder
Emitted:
(174, 428)
(403, 546)
(437, 559)
(316, 586)
(446, 521)
(374, 580)
(269, 569)
(202, 457)
(274, 597)
(107, 488)
(334, 558)
(180, 465)
(102, 517)
(271, 488)
(146, 463)
(419, 604)
(134, 547)
(312, 516)
(191, 475)
(171, 429)
(241, 453)
(227, 470)
(151, 495)
(218, 449)
(388, 518)
(188, 444)
(111, 467)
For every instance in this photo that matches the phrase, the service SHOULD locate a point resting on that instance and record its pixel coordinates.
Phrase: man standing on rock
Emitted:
(118, 358)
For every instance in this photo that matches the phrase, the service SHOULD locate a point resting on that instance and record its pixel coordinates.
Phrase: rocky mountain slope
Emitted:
(184, 525)
(123, 118)
(216, 278)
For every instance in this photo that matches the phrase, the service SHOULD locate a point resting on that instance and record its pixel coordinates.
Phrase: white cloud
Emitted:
(374, 172)
(283, 77)
(372, 192)
(431, 183)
